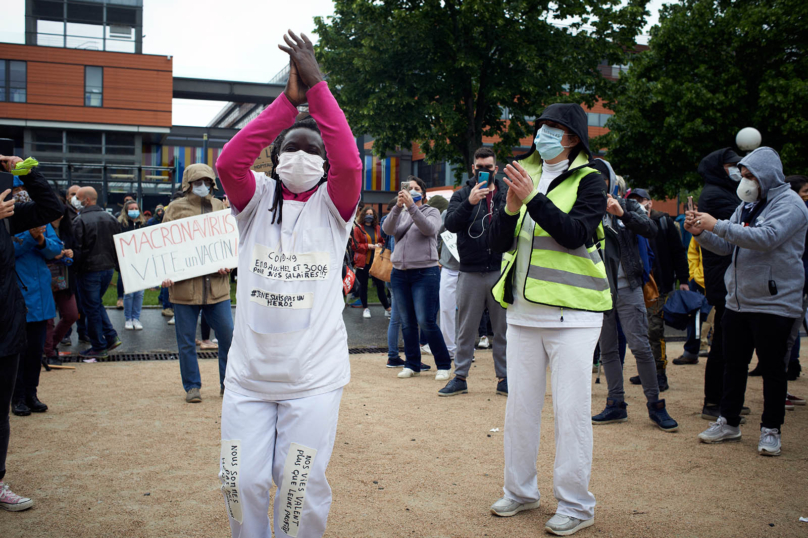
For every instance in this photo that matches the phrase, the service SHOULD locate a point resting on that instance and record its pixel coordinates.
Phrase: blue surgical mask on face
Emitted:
(133, 213)
(416, 196)
(548, 142)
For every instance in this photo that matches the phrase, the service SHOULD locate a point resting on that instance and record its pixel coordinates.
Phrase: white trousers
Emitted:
(448, 308)
(256, 440)
(568, 352)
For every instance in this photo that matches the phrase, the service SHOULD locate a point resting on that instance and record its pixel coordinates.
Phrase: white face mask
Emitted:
(76, 203)
(734, 174)
(201, 190)
(748, 190)
(300, 171)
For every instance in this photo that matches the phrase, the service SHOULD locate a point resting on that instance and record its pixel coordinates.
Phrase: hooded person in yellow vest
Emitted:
(553, 284)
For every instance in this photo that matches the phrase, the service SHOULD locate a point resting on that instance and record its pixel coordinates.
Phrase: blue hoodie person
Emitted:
(766, 238)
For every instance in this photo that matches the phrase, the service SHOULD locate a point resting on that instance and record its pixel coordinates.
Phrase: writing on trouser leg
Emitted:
(228, 475)
(292, 491)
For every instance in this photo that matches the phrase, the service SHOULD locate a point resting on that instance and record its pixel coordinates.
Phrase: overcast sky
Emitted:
(228, 40)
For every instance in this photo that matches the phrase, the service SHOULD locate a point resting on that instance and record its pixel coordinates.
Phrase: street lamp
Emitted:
(748, 139)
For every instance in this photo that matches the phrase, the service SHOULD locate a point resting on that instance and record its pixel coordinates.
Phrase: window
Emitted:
(93, 86)
(84, 142)
(48, 141)
(597, 120)
(119, 144)
(12, 81)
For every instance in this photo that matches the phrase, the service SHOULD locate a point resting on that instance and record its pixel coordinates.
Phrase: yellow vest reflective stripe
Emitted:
(558, 276)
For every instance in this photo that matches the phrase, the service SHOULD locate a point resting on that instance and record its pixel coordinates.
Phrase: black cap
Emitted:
(730, 157)
(642, 193)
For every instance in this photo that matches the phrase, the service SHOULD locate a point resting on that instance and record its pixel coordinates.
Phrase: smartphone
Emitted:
(405, 185)
(482, 178)
(6, 182)
(690, 206)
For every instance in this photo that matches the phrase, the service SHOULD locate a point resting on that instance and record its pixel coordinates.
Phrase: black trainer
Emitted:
(395, 363)
(20, 409)
(454, 387)
(425, 367)
(686, 360)
(635, 380)
(502, 387)
(659, 415)
(712, 412)
(662, 381)
(35, 405)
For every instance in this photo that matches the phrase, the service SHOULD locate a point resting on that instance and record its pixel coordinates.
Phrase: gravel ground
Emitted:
(120, 453)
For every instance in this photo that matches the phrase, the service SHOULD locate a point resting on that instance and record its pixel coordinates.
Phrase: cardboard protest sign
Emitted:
(263, 163)
(177, 250)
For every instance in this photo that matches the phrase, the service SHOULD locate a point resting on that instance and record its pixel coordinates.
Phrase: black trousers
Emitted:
(31, 361)
(714, 371)
(363, 275)
(8, 376)
(744, 334)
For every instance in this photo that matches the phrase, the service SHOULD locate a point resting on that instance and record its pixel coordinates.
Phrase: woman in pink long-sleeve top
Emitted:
(288, 361)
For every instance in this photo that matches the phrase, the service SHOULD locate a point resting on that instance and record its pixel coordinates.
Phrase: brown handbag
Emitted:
(650, 292)
(382, 264)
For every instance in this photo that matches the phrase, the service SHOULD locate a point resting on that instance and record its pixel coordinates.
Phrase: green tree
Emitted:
(711, 69)
(441, 72)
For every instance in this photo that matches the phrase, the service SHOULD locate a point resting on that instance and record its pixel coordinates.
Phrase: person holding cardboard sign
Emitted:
(289, 358)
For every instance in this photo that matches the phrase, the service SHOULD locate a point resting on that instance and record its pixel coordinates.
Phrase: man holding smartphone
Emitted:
(471, 210)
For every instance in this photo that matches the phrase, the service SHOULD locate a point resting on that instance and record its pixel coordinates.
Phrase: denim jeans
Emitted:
(415, 293)
(99, 328)
(132, 304)
(393, 330)
(186, 317)
(163, 298)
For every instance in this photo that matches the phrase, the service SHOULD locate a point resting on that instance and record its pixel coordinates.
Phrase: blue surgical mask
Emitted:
(133, 213)
(548, 142)
(416, 196)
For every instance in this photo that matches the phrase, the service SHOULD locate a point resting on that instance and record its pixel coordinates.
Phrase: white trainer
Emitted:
(366, 313)
(171, 321)
(562, 525)
(506, 507)
(408, 372)
(719, 431)
(129, 325)
(137, 324)
(769, 444)
(442, 375)
(425, 349)
(484, 343)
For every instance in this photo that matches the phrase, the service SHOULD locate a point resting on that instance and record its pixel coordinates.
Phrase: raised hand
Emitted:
(613, 206)
(304, 65)
(295, 89)
(478, 193)
(9, 163)
(520, 186)
(6, 206)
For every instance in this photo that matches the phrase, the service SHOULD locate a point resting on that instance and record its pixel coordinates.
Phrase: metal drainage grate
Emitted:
(126, 357)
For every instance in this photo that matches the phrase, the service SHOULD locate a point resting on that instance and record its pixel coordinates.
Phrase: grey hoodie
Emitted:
(416, 232)
(766, 275)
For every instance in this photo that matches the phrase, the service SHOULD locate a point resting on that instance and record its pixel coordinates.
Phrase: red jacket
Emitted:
(361, 245)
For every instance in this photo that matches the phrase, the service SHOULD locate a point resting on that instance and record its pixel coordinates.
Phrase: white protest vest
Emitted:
(289, 339)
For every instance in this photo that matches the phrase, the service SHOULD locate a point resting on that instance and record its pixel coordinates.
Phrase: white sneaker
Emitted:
(408, 372)
(425, 349)
(137, 324)
(171, 321)
(129, 325)
(442, 375)
(215, 341)
(506, 507)
(366, 313)
(719, 431)
(388, 314)
(484, 343)
(769, 444)
(562, 525)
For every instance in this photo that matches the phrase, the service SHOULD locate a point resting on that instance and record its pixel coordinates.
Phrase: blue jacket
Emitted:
(33, 274)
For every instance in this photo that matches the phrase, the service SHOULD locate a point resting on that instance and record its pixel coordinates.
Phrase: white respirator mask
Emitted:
(748, 190)
(300, 171)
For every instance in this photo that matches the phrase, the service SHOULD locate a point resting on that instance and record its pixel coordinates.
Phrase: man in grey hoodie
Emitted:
(766, 238)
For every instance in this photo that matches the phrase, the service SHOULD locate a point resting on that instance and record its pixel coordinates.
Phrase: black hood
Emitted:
(712, 170)
(570, 116)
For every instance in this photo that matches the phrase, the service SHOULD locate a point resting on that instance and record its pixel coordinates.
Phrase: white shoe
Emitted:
(366, 313)
(719, 431)
(425, 349)
(408, 372)
(215, 341)
(171, 321)
(388, 314)
(506, 507)
(137, 324)
(442, 375)
(484, 343)
(129, 325)
(769, 444)
(562, 525)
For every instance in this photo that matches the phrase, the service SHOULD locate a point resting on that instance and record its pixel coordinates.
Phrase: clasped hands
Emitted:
(696, 222)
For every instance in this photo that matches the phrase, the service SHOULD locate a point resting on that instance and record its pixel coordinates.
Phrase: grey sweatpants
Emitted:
(630, 308)
(473, 295)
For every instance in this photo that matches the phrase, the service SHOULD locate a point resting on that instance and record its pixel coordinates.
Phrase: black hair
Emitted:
(277, 202)
(797, 182)
(484, 153)
(392, 203)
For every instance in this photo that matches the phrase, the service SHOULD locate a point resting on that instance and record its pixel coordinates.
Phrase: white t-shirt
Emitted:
(289, 339)
(527, 314)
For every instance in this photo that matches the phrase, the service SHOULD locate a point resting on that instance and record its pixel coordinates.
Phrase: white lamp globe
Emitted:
(748, 139)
